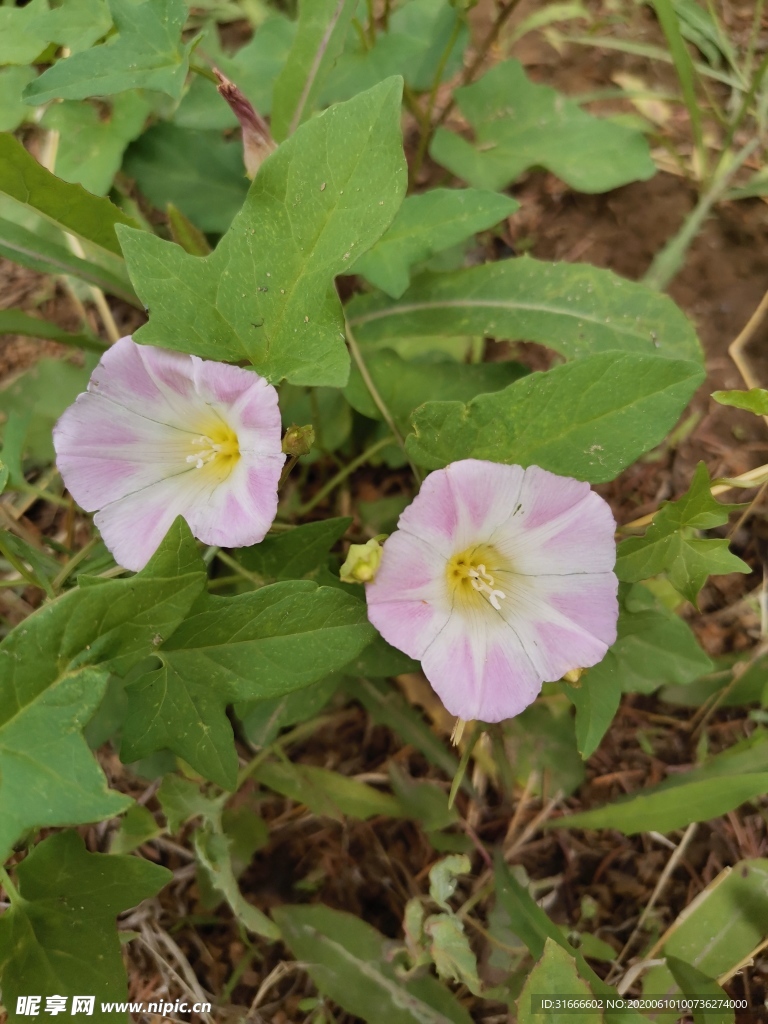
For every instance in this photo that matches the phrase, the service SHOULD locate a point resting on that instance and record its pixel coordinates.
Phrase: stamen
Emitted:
(483, 582)
(208, 453)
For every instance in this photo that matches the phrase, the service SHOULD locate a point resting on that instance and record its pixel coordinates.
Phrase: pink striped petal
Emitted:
(407, 600)
(480, 670)
(138, 447)
(531, 596)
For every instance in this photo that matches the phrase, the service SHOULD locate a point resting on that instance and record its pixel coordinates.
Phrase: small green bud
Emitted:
(298, 441)
(362, 561)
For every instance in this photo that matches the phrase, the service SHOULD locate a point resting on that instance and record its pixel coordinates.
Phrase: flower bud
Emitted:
(298, 441)
(257, 138)
(362, 561)
(573, 677)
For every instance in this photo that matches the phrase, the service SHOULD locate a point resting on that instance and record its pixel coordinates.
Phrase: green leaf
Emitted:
(60, 938)
(68, 206)
(542, 739)
(181, 799)
(404, 386)
(137, 826)
(755, 400)
(451, 952)
(20, 41)
(247, 833)
(92, 141)
(694, 983)
(25, 32)
(322, 28)
(147, 53)
(426, 224)
(32, 250)
(444, 878)
(721, 929)
(423, 801)
(38, 397)
(75, 24)
(573, 308)
(213, 853)
(271, 302)
(414, 46)
(13, 321)
(326, 792)
(254, 646)
(654, 648)
(519, 125)
(588, 419)
(13, 80)
(554, 976)
(596, 699)
(185, 234)
(387, 706)
(670, 545)
(347, 959)
(723, 783)
(196, 170)
(381, 659)
(528, 921)
(296, 553)
(262, 720)
(50, 687)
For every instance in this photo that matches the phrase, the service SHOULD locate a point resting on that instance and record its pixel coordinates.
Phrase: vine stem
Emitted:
(343, 473)
(752, 478)
(493, 33)
(378, 401)
(427, 129)
(11, 891)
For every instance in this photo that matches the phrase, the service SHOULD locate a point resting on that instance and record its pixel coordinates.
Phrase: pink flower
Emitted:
(158, 435)
(497, 579)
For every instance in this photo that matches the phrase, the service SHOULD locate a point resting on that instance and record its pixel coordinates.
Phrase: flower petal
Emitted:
(480, 670)
(133, 527)
(563, 622)
(562, 527)
(462, 503)
(105, 451)
(160, 434)
(239, 511)
(408, 601)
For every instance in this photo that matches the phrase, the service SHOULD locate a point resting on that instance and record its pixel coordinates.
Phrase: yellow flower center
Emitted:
(470, 575)
(218, 448)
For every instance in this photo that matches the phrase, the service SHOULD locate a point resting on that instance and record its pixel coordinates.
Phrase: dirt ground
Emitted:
(372, 868)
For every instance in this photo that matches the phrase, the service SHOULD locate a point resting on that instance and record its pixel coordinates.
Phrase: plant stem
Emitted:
(482, 52)
(204, 72)
(73, 563)
(683, 62)
(11, 891)
(296, 734)
(743, 109)
(231, 563)
(667, 262)
(342, 475)
(428, 130)
(461, 770)
(378, 401)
